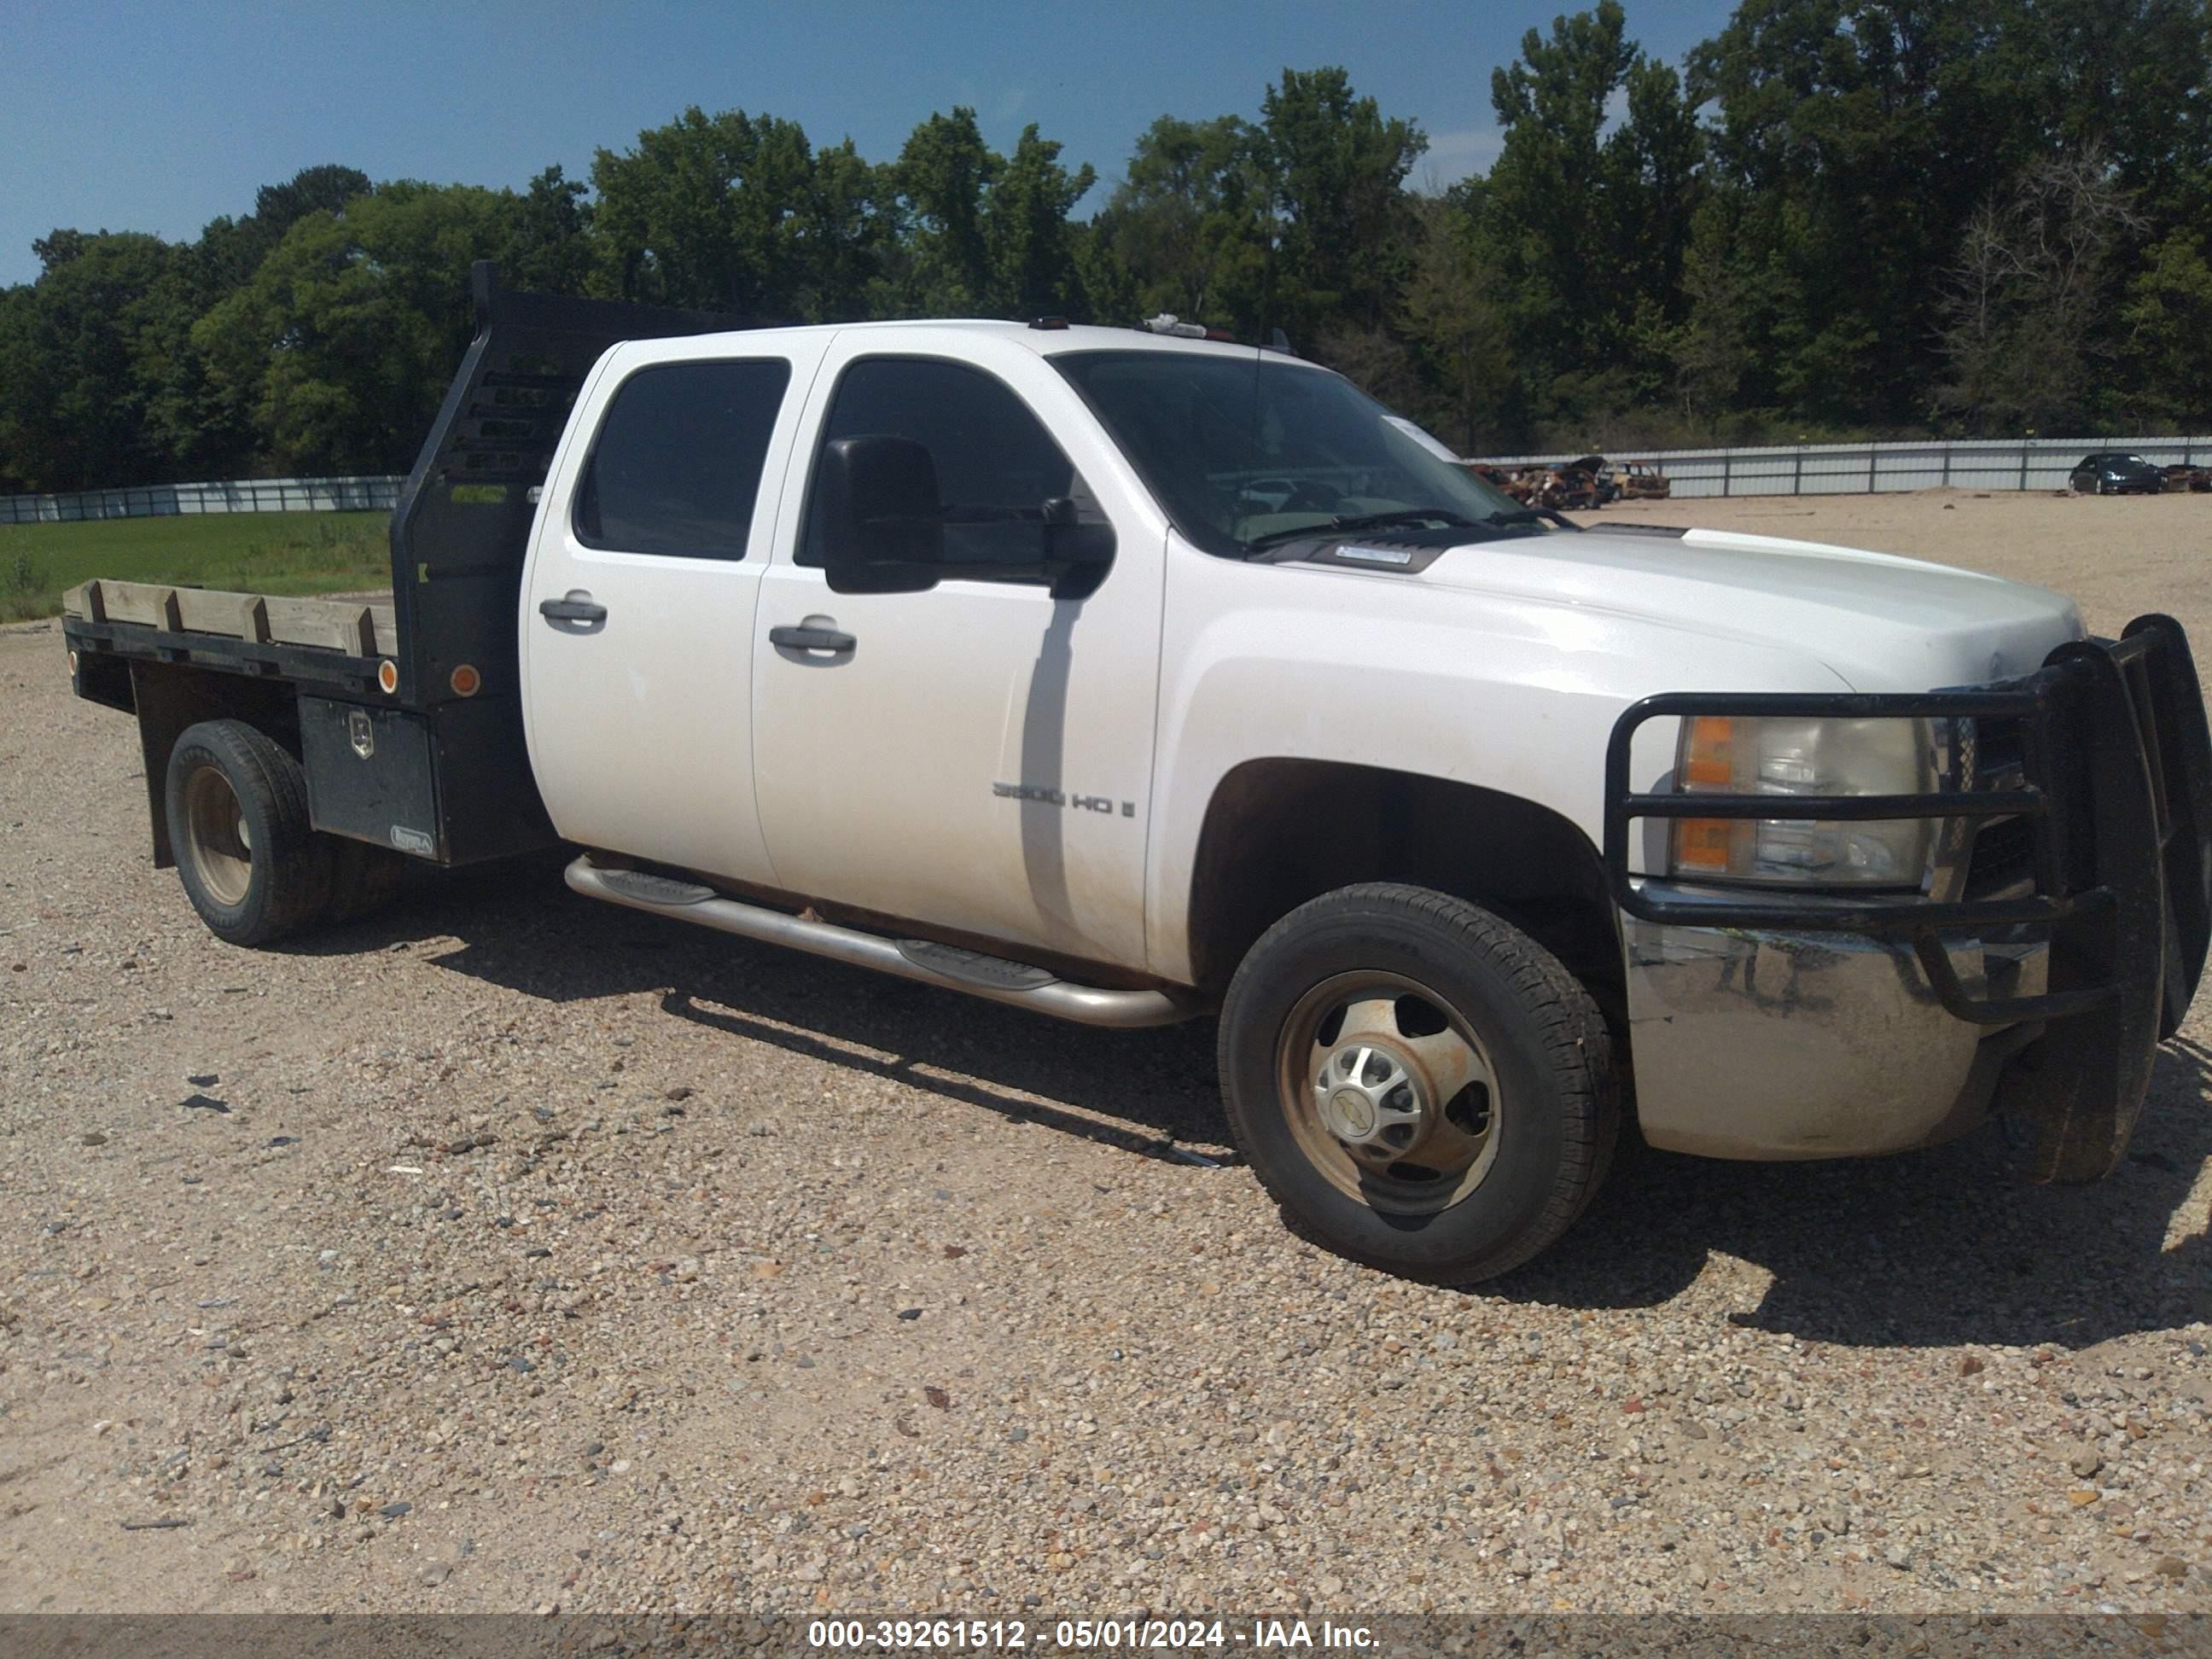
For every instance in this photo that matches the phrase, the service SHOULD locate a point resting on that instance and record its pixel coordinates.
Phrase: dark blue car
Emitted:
(2115, 473)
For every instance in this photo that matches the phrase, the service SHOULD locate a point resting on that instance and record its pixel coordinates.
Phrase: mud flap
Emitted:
(2079, 1090)
(2182, 771)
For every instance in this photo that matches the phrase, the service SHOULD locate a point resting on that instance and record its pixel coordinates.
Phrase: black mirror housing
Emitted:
(883, 529)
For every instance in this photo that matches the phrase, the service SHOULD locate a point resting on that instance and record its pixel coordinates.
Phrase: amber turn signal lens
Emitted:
(1709, 753)
(465, 681)
(1704, 845)
(387, 676)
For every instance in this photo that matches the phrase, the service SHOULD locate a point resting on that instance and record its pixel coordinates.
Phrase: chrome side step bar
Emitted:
(1016, 983)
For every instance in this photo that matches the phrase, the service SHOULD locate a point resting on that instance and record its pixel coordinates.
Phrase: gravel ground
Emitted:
(511, 1252)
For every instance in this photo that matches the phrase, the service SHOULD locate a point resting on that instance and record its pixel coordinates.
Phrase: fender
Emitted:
(1285, 661)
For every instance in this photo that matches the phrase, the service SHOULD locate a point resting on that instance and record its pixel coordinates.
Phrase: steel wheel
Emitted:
(234, 804)
(216, 837)
(1420, 1086)
(1389, 1092)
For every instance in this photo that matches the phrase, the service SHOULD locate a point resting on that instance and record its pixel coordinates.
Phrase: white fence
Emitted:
(1867, 469)
(1788, 470)
(167, 501)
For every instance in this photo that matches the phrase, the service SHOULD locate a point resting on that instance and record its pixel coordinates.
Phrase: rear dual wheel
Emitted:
(1421, 1086)
(252, 863)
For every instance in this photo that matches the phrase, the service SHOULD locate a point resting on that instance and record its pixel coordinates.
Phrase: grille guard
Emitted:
(2116, 789)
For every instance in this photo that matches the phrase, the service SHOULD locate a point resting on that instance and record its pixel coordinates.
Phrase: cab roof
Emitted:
(1049, 342)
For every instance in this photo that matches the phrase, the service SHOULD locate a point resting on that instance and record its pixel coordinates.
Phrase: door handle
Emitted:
(812, 639)
(577, 607)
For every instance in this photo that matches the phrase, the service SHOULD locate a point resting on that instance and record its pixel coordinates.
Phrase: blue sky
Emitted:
(159, 118)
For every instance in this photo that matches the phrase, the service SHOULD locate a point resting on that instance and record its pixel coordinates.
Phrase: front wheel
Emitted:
(1421, 1086)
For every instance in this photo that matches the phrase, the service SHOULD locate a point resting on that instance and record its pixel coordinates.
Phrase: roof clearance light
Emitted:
(1051, 324)
(1165, 323)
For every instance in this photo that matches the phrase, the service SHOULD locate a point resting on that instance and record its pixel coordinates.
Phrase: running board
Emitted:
(1022, 985)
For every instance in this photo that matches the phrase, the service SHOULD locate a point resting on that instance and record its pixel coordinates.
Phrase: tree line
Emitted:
(1835, 218)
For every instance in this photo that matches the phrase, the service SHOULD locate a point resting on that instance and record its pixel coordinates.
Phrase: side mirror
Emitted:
(1077, 554)
(881, 523)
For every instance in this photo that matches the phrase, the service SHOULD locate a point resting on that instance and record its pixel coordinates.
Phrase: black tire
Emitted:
(252, 864)
(1547, 1133)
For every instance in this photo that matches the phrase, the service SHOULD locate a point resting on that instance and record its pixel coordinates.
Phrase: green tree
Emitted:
(943, 174)
(1587, 217)
(233, 249)
(2168, 320)
(1337, 168)
(1451, 309)
(344, 341)
(1032, 252)
(96, 369)
(1189, 222)
(2026, 338)
(980, 234)
(548, 248)
(845, 231)
(1710, 347)
(708, 212)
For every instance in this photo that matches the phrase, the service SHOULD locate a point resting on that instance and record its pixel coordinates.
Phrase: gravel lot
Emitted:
(510, 1252)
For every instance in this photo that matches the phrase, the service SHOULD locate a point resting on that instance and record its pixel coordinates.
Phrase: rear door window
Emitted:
(676, 469)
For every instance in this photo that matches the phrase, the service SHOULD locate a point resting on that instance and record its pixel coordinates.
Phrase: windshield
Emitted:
(1244, 453)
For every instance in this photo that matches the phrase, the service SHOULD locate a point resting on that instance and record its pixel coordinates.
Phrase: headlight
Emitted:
(1725, 756)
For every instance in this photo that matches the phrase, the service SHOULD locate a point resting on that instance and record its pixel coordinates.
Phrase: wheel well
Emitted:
(171, 697)
(1279, 832)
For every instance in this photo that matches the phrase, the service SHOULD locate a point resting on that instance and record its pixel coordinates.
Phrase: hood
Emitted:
(1882, 622)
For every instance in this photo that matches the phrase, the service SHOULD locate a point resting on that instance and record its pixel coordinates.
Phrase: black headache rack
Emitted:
(417, 744)
(2115, 789)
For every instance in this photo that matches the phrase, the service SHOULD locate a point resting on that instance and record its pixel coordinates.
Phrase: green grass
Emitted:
(253, 552)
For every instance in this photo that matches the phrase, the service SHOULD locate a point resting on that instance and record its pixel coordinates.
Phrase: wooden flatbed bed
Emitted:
(358, 627)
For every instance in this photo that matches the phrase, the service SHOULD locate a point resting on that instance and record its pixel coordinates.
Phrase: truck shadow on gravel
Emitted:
(1933, 1248)
(1937, 1248)
(1141, 1092)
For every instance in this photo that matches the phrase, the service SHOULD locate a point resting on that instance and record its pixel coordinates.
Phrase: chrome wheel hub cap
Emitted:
(1369, 1098)
(1390, 1092)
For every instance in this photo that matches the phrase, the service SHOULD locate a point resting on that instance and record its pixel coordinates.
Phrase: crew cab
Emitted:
(1130, 677)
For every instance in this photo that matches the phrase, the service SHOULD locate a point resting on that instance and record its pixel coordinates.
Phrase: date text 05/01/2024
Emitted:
(1082, 1635)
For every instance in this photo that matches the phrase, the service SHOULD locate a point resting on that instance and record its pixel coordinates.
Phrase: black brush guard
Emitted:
(2116, 789)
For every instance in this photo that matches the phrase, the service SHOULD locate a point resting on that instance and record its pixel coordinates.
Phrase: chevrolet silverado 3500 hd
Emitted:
(1128, 678)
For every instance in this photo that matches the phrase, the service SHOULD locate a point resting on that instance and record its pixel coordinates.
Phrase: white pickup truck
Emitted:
(1129, 677)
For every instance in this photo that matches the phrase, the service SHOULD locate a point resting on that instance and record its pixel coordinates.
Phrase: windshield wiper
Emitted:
(1533, 515)
(1443, 515)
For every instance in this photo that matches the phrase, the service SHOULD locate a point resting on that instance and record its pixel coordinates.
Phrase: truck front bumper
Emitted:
(1761, 1043)
(1768, 1024)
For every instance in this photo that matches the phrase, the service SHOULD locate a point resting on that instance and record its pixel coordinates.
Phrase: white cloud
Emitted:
(1452, 156)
